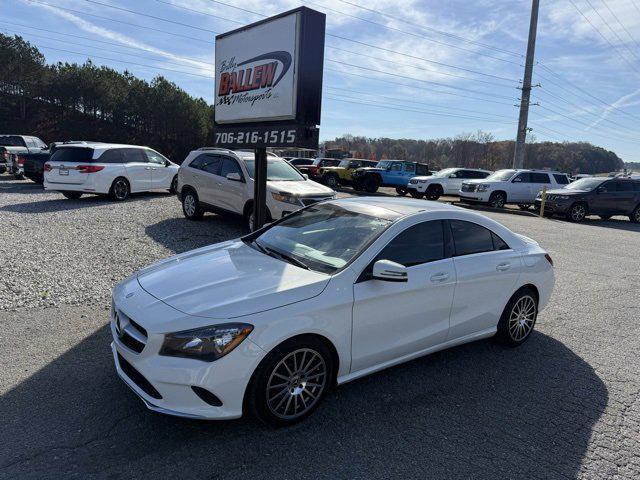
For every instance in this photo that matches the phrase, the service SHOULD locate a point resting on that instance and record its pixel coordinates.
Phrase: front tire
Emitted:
(331, 180)
(371, 184)
(72, 195)
(577, 212)
(635, 216)
(191, 206)
(434, 192)
(518, 318)
(291, 381)
(120, 189)
(497, 200)
(524, 206)
(401, 191)
(174, 185)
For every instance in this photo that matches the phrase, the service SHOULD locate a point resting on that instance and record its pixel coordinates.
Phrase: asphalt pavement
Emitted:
(564, 405)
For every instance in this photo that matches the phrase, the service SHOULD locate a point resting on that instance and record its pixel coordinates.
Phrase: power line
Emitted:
(419, 79)
(157, 59)
(602, 35)
(137, 25)
(413, 34)
(182, 57)
(619, 22)
(431, 29)
(622, 42)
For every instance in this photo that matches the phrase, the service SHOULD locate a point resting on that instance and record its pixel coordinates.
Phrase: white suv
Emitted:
(511, 186)
(219, 180)
(445, 182)
(106, 168)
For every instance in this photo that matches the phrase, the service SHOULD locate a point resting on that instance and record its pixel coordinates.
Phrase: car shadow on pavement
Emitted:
(180, 235)
(8, 185)
(476, 411)
(617, 223)
(61, 204)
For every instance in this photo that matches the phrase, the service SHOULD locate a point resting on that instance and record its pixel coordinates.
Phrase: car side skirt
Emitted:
(490, 332)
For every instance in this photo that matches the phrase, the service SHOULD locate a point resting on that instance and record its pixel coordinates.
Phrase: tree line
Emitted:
(481, 150)
(71, 101)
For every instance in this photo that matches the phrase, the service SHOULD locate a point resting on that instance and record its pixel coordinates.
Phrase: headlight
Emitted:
(286, 198)
(483, 188)
(207, 343)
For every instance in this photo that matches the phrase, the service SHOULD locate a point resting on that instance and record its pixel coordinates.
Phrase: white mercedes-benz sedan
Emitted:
(268, 324)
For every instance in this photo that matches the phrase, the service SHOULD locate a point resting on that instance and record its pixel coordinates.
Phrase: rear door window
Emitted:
(524, 177)
(561, 179)
(134, 155)
(536, 177)
(12, 141)
(470, 238)
(72, 155)
(422, 169)
(410, 168)
(111, 156)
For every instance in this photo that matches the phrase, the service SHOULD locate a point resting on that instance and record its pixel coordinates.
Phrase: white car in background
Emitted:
(108, 169)
(444, 182)
(268, 324)
(220, 180)
(519, 186)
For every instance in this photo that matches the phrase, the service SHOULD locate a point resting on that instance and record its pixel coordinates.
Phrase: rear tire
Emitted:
(518, 318)
(497, 200)
(331, 180)
(120, 189)
(577, 212)
(249, 219)
(72, 195)
(635, 216)
(174, 185)
(371, 184)
(434, 192)
(291, 381)
(416, 194)
(191, 205)
(524, 206)
(401, 191)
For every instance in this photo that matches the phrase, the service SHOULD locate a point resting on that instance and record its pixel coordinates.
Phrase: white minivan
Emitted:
(109, 169)
(220, 180)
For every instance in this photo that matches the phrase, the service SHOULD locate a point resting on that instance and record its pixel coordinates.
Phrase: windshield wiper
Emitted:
(285, 257)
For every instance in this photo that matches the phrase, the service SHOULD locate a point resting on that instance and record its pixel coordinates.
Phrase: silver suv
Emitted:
(219, 180)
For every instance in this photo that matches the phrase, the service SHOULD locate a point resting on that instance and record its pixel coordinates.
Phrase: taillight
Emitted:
(89, 168)
(549, 259)
(47, 167)
(20, 160)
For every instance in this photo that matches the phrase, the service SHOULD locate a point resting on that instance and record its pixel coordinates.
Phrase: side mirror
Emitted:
(234, 176)
(306, 177)
(390, 271)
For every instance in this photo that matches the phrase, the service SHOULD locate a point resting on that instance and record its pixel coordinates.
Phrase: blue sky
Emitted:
(429, 69)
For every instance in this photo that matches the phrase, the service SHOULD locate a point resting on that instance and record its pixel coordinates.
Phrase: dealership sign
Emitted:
(268, 84)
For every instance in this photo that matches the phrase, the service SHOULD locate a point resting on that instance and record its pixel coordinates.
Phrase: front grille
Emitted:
(468, 187)
(130, 334)
(137, 378)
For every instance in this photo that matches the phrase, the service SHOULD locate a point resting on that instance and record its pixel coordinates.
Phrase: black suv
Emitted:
(604, 197)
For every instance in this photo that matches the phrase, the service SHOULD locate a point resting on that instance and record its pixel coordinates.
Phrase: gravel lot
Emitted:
(565, 405)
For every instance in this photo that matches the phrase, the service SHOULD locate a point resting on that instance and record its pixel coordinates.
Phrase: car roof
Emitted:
(99, 145)
(399, 205)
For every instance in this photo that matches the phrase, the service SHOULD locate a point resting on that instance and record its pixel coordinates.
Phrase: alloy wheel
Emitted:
(522, 318)
(498, 201)
(578, 212)
(121, 189)
(190, 205)
(296, 384)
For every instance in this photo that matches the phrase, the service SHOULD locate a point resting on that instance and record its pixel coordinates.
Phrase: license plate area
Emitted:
(63, 171)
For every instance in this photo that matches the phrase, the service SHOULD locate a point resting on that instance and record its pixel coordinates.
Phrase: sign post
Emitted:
(269, 89)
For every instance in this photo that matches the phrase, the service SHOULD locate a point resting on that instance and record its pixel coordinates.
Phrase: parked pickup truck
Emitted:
(12, 146)
(388, 173)
(33, 163)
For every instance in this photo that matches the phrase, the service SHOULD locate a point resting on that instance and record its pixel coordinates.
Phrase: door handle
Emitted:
(501, 267)
(439, 277)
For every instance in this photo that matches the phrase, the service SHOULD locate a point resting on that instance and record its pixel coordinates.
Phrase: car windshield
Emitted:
(587, 184)
(325, 237)
(11, 141)
(501, 175)
(383, 164)
(345, 163)
(277, 170)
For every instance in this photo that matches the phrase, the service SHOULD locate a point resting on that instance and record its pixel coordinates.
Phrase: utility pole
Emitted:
(518, 156)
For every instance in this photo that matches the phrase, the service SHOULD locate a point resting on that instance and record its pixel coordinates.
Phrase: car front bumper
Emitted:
(164, 383)
(474, 197)
(552, 208)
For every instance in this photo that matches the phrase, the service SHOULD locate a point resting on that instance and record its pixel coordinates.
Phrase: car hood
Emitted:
(480, 180)
(229, 280)
(303, 188)
(564, 191)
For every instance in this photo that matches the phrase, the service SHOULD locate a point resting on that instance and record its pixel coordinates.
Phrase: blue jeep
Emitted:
(388, 173)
